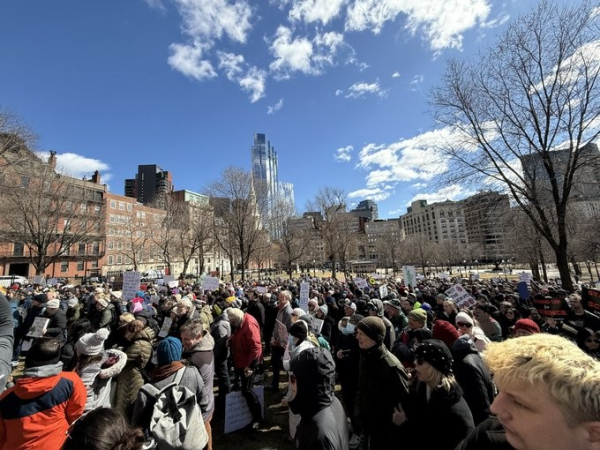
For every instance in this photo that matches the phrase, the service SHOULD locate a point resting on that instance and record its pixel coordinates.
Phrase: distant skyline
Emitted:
(340, 87)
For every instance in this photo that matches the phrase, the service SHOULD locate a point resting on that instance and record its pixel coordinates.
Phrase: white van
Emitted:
(8, 280)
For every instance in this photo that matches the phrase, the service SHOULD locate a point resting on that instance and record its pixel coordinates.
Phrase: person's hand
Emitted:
(340, 354)
(551, 322)
(248, 372)
(399, 416)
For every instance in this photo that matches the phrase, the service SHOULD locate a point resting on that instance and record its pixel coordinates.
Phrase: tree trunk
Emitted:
(562, 262)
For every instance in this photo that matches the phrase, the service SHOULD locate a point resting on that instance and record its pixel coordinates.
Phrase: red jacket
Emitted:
(245, 344)
(37, 411)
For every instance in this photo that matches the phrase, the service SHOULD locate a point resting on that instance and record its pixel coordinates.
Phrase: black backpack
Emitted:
(115, 313)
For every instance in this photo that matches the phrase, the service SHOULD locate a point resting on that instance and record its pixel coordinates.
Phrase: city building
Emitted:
(272, 196)
(439, 222)
(149, 182)
(367, 209)
(381, 233)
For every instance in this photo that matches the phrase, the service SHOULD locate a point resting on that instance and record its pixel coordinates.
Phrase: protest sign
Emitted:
(39, 327)
(303, 301)
(360, 283)
(591, 300)
(39, 279)
(555, 308)
(523, 290)
(461, 297)
(443, 275)
(383, 291)
(280, 334)
(166, 327)
(474, 276)
(261, 289)
(317, 325)
(376, 276)
(526, 277)
(409, 273)
(172, 284)
(210, 284)
(167, 279)
(237, 414)
(131, 284)
(52, 282)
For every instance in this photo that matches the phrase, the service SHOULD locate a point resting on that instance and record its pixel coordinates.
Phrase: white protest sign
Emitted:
(383, 291)
(131, 284)
(39, 279)
(409, 273)
(376, 276)
(360, 283)
(443, 275)
(39, 326)
(303, 302)
(261, 289)
(167, 278)
(172, 284)
(166, 326)
(52, 282)
(237, 414)
(474, 276)
(317, 325)
(210, 284)
(526, 277)
(462, 298)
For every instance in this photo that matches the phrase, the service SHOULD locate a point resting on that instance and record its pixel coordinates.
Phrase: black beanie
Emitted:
(436, 353)
(373, 327)
(299, 330)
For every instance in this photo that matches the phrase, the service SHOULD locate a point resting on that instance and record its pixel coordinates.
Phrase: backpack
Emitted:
(176, 421)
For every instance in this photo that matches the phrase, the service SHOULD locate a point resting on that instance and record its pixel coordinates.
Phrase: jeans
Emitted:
(276, 365)
(222, 371)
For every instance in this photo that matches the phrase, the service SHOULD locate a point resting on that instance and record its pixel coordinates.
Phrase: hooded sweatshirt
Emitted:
(40, 407)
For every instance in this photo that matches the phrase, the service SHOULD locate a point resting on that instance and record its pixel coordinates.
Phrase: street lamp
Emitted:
(314, 268)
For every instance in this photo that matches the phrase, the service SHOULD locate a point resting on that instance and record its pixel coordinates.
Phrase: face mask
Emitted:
(348, 329)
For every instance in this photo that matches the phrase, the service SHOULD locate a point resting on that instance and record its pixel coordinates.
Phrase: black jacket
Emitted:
(488, 435)
(474, 378)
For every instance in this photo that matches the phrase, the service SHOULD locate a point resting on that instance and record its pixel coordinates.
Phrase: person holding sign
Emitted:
(278, 341)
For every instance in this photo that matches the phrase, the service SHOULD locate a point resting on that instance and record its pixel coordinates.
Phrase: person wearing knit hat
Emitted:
(418, 315)
(445, 332)
(313, 304)
(58, 320)
(525, 327)
(373, 328)
(299, 330)
(72, 302)
(53, 304)
(382, 383)
(91, 344)
(168, 350)
(439, 398)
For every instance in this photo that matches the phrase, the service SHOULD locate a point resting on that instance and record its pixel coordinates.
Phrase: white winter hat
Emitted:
(72, 302)
(92, 343)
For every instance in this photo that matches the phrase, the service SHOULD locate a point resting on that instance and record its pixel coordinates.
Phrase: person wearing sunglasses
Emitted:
(466, 325)
(589, 342)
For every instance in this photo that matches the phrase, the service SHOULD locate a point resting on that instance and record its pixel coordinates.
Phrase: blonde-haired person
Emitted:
(436, 416)
(549, 397)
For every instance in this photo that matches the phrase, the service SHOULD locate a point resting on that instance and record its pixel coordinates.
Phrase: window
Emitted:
(97, 208)
(119, 245)
(121, 206)
(18, 249)
(81, 250)
(113, 204)
(67, 224)
(94, 263)
(64, 266)
(129, 207)
(25, 181)
(111, 245)
(80, 266)
(110, 260)
(119, 259)
(95, 248)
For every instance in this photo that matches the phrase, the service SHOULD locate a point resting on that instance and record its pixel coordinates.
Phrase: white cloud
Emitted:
(207, 20)
(250, 79)
(396, 75)
(156, 4)
(187, 59)
(338, 92)
(359, 90)
(276, 107)
(377, 194)
(78, 166)
(316, 10)
(343, 154)
(311, 57)
(452, 192)
(441, 24)
(417, 79)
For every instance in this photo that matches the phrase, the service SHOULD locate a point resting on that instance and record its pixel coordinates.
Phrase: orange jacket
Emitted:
(37, 411)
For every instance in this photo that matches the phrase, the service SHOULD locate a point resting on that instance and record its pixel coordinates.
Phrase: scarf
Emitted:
(162, 372)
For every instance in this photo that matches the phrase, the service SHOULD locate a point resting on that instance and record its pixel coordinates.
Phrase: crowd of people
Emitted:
(84, 367)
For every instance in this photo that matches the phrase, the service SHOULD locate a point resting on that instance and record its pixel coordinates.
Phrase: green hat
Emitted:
(420, 315)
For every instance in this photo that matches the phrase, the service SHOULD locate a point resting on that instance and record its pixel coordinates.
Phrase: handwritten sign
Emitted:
(460, 296)
(303, 302)
(317, 325)
(261, 289)
(409, 273)
(526, 277)
(166, 327)
(360, 283)
(237, 414)
(280, 334)
(40, 280)
(210, 284)
(383, 291)
(39, 327)
(443, 275)
(131, 284)
(555, 308)
(172, 284)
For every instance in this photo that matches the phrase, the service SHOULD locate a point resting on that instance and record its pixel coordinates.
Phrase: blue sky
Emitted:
(338, 86)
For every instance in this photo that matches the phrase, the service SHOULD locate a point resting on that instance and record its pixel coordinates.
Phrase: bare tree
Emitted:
(238, 228)
(47, 213)
(14, 138)
(533, 92)
(136, 240)
(419, 250)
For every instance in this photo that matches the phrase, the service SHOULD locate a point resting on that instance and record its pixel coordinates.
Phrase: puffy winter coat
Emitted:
(97, 377)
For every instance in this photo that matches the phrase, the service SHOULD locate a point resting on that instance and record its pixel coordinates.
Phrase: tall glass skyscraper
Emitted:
(268, 189)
